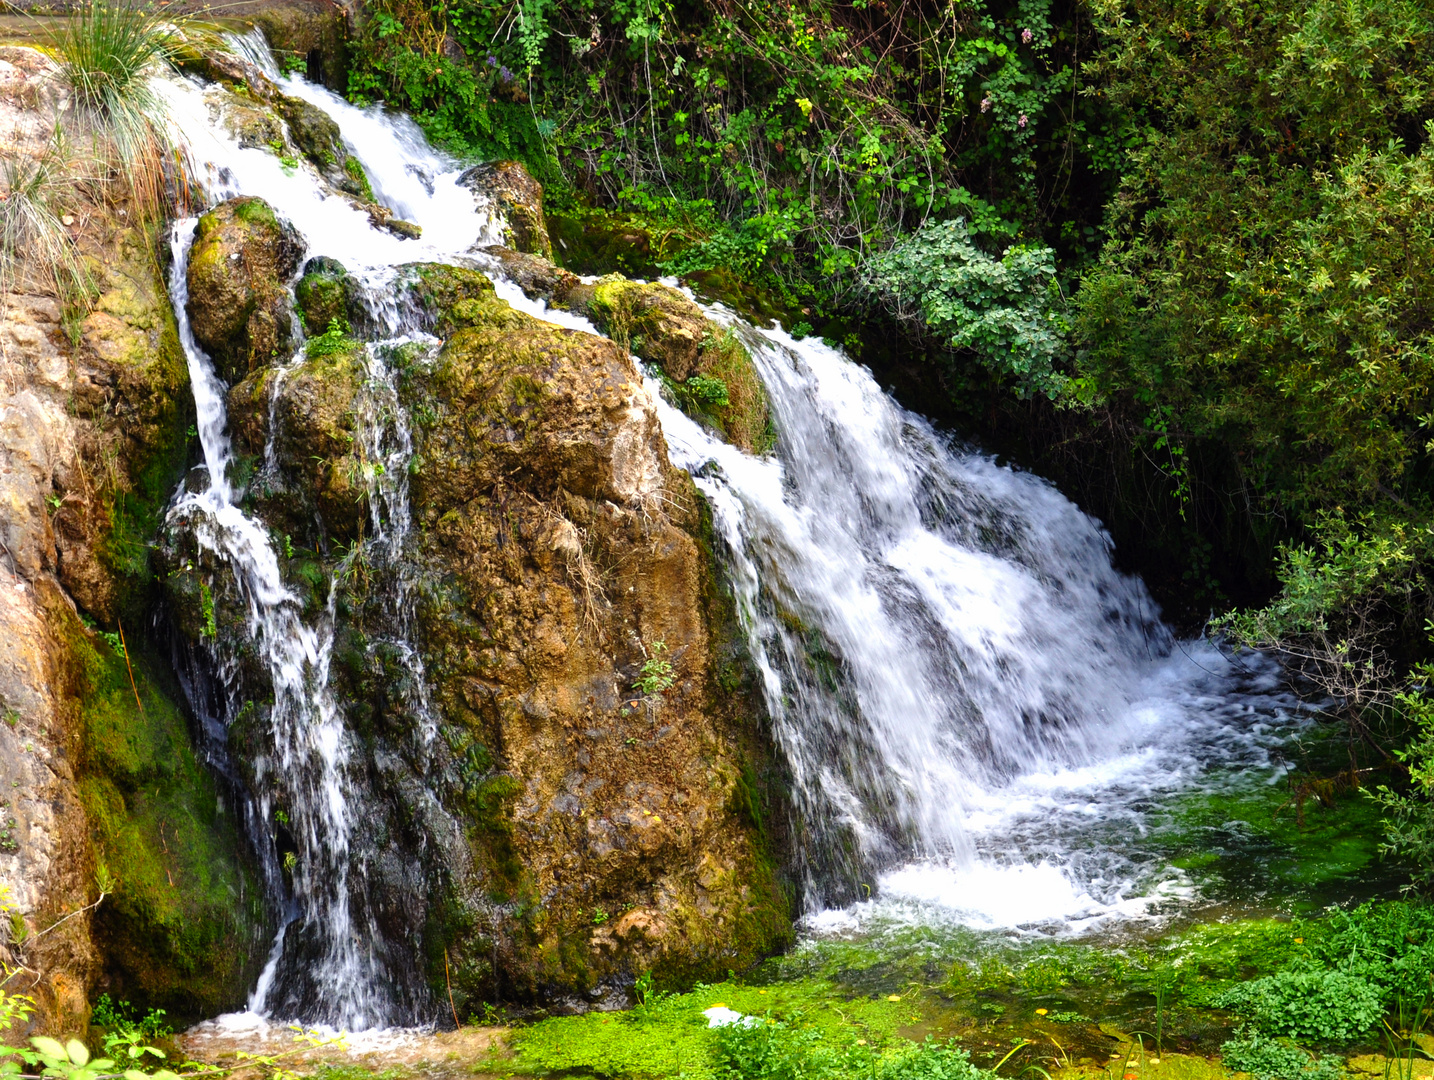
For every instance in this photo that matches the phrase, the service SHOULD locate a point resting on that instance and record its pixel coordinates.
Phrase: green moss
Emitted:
(185, 928)
(253, 211)
(1257, 841)
(323, 295)
(159, 432)
(354, 170)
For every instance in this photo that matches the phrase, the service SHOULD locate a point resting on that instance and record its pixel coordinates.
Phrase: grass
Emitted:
(107, 53)
(35, 250)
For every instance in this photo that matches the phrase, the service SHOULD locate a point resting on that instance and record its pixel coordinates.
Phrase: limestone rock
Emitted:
(519, 198)
(710, 372)
(239, 269)
(326, 293)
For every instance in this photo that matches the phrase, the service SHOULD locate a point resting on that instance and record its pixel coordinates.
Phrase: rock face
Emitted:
(561, 549)
(100, 787)
(708, 371)
(239, 271)
(579, 809)
(518, 198)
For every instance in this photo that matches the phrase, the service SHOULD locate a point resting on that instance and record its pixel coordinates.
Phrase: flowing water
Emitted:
(979, 713)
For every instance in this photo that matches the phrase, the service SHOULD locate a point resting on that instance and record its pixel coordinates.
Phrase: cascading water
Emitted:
(964, 689)
(963, 686)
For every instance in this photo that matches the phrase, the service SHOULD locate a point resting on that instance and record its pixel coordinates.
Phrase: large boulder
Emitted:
(560, 556)
(239, 271)
(538, 824)
(513, 192)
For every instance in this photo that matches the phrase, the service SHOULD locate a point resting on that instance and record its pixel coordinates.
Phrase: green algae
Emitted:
(187, 918)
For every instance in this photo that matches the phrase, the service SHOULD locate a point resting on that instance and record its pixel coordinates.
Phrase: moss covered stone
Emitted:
(604, 835)
(513, 192)
(325, 293)
(239, 269)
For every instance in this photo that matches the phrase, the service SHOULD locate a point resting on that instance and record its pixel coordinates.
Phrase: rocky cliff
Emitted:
(103, 791)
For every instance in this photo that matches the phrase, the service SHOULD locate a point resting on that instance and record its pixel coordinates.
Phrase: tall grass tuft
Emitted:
(35, 251)
(108, 50)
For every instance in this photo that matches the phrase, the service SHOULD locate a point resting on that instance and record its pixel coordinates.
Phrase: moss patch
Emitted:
(186, 927)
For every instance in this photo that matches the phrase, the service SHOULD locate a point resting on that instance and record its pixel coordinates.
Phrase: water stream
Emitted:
(977, 710)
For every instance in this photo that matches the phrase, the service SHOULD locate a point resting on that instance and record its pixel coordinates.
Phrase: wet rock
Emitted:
(313, 132)
(519, 198)
(327, 293)
(536, 276)
(710, 373)
(94, 420)
(406, 230)
(239, 269)
(557, 546)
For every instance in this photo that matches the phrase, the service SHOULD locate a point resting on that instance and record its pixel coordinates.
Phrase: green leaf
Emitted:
(78, 1051)
(49, 1047)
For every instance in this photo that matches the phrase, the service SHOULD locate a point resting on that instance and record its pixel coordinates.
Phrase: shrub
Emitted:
(1006, 310)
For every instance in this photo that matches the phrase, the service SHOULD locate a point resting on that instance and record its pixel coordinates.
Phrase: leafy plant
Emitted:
(333, 340)
(657, 674)
(1331, 1006)
(1265, 1058)
(1007, 310)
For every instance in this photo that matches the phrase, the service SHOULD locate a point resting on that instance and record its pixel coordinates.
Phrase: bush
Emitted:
(1006, 310)
(1329, 1006)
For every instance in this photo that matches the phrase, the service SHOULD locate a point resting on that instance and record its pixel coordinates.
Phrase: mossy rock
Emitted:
(708, 369)
(239, 269)
(327, 293)
(541, 461)
(443, 293)
(313, 131)
(519, 198)
(186, 927)
(317, 35)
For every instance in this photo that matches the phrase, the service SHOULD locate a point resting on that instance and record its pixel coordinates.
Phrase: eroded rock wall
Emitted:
(100, 786)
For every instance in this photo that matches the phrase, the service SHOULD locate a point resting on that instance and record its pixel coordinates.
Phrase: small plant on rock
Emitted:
(657, 674)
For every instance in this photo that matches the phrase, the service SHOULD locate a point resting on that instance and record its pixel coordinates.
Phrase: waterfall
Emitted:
(964, 689)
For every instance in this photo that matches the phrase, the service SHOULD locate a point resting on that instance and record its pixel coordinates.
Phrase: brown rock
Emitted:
(519, 198)
(239, 269)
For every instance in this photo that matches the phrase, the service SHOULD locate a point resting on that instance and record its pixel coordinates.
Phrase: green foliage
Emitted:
(1409, 812)
(120, 1016)
(657, 674)
(1297, 339)
(768, 1050)
(707, 390)
(1269, 1059)
(1007, 310)
(1329, 1006)
(333, 340)
(805, 136)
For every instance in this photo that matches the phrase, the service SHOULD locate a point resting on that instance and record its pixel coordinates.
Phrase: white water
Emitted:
(974, 705)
